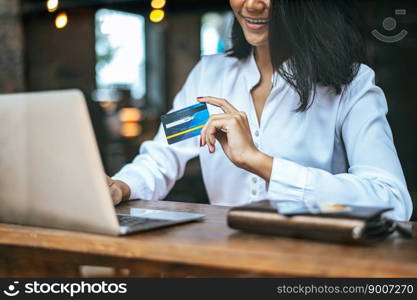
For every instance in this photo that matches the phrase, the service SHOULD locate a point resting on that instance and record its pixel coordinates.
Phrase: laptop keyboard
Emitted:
(130, 221)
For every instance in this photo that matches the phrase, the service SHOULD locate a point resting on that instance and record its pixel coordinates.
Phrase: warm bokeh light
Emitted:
(61, 20)
(52, 5)
(157, 15)
(130, 130)
(130, 114)
(108, 106)
(158, 3)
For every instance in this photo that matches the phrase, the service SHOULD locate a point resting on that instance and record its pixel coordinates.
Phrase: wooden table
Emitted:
(203, 249)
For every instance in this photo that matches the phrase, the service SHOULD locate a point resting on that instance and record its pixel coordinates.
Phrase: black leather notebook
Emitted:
(335, 223)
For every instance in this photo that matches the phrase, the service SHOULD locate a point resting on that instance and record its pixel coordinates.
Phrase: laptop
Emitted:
(51, 172)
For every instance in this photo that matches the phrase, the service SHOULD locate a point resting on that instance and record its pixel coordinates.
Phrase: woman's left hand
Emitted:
(232, 131)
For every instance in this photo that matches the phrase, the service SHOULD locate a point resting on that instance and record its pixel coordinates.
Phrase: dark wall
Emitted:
(183, 52)
(395, 65)
(60, 59)
(64, 59)
(11, 47)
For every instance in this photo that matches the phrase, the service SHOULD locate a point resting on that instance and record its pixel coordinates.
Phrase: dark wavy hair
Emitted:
(322, 40)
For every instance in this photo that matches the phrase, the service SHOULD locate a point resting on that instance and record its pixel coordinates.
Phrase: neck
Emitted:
(263, 60)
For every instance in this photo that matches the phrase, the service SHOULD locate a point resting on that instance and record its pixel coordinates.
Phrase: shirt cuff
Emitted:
(289, 182)
(136, 184)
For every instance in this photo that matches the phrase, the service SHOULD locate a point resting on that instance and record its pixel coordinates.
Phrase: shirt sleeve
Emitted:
(154, 171)
(374, 177)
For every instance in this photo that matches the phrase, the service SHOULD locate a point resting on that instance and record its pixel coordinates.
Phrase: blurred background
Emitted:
(130, 58)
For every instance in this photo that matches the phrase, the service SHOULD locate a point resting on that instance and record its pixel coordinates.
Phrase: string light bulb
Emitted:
(61, 20)
(158, 4)
(157, 15)
(52, 5)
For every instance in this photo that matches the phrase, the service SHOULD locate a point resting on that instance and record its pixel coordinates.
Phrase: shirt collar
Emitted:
(251, 71)
(252, 74)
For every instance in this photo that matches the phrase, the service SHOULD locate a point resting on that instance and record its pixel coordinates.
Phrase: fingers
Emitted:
(222, 103)
(215, 126)
(216, 123)
(222, 138)
(204, 130)
(116, 194)
(220, 125)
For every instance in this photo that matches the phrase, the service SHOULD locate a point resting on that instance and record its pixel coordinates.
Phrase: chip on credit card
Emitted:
(185, 123)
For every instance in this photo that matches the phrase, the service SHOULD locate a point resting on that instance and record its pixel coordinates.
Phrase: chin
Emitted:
(257, 42)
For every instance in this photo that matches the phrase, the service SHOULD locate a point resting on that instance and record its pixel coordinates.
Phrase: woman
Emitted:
(294, 117)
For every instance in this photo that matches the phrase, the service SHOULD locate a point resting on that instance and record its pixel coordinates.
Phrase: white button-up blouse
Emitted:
(339, 151)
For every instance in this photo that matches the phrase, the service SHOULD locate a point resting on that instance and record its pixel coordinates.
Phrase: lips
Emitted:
(255, 23)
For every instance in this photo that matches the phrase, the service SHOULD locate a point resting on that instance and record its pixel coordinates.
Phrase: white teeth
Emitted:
(257, 21)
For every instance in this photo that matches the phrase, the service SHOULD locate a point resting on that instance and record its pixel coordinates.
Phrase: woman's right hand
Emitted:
(119, 190)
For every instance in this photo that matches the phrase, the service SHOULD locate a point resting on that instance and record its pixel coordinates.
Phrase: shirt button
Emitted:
(254, 179)
(253, 192)
(256, 145)
(257, 133)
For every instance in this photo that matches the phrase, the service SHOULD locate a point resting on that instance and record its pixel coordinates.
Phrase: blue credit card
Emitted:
(185, 123)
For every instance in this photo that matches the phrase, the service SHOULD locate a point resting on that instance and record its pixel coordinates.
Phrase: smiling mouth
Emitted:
(254, 20)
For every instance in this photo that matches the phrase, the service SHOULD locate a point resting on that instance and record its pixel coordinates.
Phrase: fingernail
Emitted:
(198, 98)
(201, 142)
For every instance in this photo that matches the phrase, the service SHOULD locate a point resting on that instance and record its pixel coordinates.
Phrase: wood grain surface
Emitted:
(202, 249)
